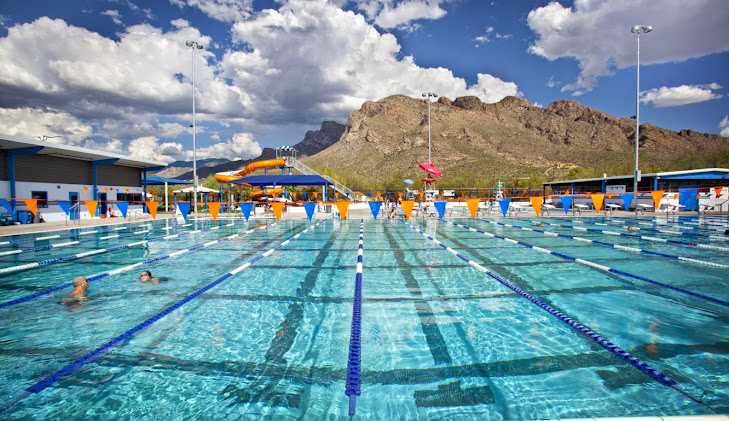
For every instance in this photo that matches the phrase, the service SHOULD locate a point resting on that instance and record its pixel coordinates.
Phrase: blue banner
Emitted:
(504, 203)
(375, 208)
(440, 207)
(123, 207)
(566, 203)
(184, 209)
(66, 206)
(246, 209)
(309, 207)
(627, 199)
(4, 203)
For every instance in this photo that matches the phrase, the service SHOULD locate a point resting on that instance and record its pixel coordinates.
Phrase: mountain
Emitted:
(511, 138)
(314, 142)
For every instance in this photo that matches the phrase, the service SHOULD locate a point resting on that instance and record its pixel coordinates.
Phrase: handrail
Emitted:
(299, 166)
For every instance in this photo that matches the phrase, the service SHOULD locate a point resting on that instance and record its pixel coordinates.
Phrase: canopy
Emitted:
(200, 189)
(160, 181)
(281, 180)
(431, 169)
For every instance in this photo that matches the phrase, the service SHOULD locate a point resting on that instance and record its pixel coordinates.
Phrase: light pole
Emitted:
(637, 29)
(427, 97)
(193, 46)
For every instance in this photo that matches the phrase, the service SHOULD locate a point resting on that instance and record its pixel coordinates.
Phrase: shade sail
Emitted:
(281, 180)
(160, 181)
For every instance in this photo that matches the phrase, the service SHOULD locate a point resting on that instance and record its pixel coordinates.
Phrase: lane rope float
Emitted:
(354, 363)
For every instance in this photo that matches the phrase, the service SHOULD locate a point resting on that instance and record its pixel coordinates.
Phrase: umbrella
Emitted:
(408, 181)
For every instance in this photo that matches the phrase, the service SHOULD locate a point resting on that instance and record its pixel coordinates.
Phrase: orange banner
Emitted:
(657, 197)
(91, 206)
(278, 208)
(336, 195)
(610, 195)
(343, 207)
(314, 193)
(597, 200)
(407, 207)
(379, 195)
(106, 189)
(537, 204)
(86, 189)
(152, 208)
(32, 204)
(717, 190)
(214, 209)
(127, 190)
(472, 206)
(399, 194)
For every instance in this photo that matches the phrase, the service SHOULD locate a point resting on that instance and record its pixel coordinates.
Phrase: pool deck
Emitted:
(354, 213)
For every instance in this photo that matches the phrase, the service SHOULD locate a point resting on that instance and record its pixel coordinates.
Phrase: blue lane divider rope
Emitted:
(627, 357)
(129, 334)
(51, 237)
(354, 368)
(615, 246)
(71, 243)
(99, 251)
(96, 277)
(592, 264)
(641, 237)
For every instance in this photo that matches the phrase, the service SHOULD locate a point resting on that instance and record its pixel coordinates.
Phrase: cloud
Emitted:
(35, 123)
(114, 15)
(724, 126)
(597, 34)
(241, 146)
(310, 61)
(222, 10)
(487, 36)
(405, 12)
(679, 95)
(149, 147)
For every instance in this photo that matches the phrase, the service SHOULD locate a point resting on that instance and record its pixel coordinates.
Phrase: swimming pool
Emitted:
(445, 332)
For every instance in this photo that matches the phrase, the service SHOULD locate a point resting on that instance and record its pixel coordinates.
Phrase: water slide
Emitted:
(253, 166)
(256, 195)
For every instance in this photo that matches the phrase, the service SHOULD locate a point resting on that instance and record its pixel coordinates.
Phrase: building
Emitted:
(59, 176)
(689, 184)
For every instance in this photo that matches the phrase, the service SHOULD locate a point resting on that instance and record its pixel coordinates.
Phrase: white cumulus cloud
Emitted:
(597, 34)
(679, 95)
(222, 10)
(724, 126)
(241, 146)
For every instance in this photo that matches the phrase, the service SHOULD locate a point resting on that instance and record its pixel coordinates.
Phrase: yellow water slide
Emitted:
(253, 166)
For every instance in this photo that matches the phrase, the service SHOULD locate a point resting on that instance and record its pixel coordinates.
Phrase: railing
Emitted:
(341, 188)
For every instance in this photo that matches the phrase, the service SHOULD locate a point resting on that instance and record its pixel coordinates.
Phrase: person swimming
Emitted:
(80, 285)
(146, 276)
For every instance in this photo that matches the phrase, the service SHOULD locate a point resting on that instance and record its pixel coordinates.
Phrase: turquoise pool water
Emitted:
(440, 339)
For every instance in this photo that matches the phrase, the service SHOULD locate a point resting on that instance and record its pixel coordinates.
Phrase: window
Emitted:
(41, 196)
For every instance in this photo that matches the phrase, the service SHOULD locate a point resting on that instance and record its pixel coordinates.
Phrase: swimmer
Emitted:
(80, 285)
(631, 229)
(539, 224)
(146, 276)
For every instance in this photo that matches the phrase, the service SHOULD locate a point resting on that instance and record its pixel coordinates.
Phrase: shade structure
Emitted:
(281, 180)
(160, 181)
(200, 189)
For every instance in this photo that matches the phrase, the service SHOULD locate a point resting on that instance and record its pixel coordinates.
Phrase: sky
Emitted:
(116, 75)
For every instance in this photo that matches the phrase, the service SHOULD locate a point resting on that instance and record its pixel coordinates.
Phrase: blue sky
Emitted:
(116, 75)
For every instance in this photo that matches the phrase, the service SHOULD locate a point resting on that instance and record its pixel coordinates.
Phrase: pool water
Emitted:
(440, 338)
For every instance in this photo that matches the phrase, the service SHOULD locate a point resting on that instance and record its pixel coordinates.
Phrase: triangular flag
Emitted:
(4, 203)
(566, 202)
(504, 204)
(184, 209)
(91, 206)
(127, 190)
(407, 207)
(472, 206)
(277, 209)
(675, 196)
(375, 208)
(399, 194)
(246, 209)
(627, 200)
(64, 205)
(597, 200)
(440, 207)
(717, 190)
(86, 189)
(536, 204)
(610, 195)
(214, 209)
(32, 204)
(309, 207)
(657, 197)
(342, 207)
(336, 195)
(315, 194)
(123, 206)
(379, 195)
(106, 189)
(152, 208)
